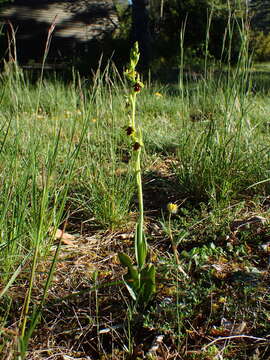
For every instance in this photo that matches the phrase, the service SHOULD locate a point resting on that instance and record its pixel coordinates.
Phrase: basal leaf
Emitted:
(130, 289)
(148, 283)
(140, 246)
(125, 259)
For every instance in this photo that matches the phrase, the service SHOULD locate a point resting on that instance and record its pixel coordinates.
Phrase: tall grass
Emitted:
(64, 147)
(54, 157)
(105, 168)
(219, 154)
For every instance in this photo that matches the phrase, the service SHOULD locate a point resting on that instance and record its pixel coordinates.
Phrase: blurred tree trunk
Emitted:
(140, 29)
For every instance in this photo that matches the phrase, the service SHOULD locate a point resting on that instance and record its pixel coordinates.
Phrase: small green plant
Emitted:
(140, 278)
(172, 209)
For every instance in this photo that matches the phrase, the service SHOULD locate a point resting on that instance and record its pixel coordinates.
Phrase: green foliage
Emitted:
(260, 27)
(260, 15)
(139, 282)
(121, 36)
(224, 38)
(260, 46)
(206, 143)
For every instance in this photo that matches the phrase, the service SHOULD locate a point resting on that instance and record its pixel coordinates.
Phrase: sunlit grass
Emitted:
(68, 158)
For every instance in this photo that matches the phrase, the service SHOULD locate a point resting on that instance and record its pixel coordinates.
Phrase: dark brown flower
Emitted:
(137, 87)
(129, 130)
(136, 146)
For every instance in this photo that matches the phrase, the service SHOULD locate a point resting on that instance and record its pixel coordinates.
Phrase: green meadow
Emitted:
(69, 206)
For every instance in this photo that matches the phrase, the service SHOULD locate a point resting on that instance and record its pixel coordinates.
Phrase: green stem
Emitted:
(133, 109)
(169, 226)
(29, 293)
(139, 186)
(174, 248)
(137, 164)
(34, 265)
(138, 172)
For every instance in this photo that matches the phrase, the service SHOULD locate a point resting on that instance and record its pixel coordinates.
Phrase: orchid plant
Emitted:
(140, 279)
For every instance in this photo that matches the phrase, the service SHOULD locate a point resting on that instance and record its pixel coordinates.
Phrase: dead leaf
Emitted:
(125, 236)
(240, 327)
(66, 238)
(67, 242)
(266, 247)
(219, 331)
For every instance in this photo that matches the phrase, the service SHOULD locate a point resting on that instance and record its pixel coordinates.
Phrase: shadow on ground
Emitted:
(81, 28)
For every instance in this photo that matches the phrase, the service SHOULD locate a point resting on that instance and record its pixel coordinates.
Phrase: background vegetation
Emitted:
(68, 207)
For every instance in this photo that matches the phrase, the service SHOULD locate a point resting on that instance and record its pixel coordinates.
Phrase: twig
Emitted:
(234, 337)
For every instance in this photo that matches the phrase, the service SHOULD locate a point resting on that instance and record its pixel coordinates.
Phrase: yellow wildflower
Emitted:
(172, 208)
